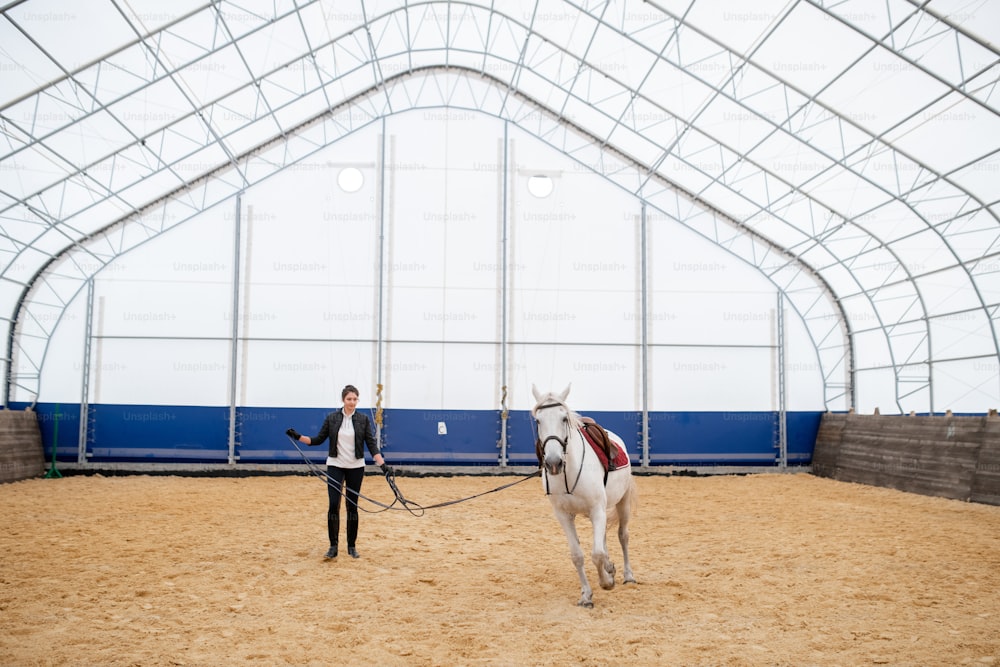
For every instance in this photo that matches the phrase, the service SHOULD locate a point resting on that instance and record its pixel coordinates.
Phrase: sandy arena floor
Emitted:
(759, 570)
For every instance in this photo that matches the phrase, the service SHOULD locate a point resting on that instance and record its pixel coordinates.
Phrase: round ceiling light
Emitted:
(350, 179)
(540, 185)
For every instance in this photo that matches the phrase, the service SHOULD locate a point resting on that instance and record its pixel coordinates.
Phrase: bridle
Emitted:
(564, 443)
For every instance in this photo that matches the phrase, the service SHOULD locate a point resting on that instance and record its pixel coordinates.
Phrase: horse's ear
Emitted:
(534, 392)
(562, 396)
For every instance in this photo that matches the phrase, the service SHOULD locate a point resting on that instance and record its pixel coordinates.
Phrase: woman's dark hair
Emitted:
(349, 389)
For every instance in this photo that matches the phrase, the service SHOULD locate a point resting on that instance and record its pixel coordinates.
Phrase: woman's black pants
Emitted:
(348, 479)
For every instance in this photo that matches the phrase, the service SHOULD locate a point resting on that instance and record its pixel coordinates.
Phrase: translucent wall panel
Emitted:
(909, 343)
(443, 256)
(302, 228)
(330, 312)
(433, 314)
(160, 372)
(700, 378)
(713, 318)
(161, 319)
(877, 389)
(965, 386)
(162, 308)
(177, 285)
(803, 376)
(947, 291)
(435, 376)
(965, 334)
(62, 372)
(306, 374)
(713, 330)
(575, 254)
(603, 377)
(872, 350)
(309, 296)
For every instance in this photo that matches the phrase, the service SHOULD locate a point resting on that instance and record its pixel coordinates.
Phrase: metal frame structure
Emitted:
(886, 249)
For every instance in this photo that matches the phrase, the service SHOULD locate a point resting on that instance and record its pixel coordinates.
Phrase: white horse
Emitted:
(574, 480)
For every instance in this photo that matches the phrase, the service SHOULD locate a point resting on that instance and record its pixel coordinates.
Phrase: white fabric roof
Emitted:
(849, 149)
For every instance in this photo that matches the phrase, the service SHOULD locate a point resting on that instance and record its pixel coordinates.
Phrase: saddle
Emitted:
(610, 456)
(606, 449)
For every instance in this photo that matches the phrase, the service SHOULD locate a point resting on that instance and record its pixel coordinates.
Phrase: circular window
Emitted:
(350, 179)
(541, 186)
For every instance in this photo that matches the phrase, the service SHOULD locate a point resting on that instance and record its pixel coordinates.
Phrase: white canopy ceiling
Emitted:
(849, 149)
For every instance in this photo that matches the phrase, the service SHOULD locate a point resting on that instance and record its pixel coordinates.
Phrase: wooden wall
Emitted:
(21, 454)
(948, 456)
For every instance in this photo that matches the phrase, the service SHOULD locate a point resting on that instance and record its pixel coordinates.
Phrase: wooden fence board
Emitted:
(20, 446)
(948, 456)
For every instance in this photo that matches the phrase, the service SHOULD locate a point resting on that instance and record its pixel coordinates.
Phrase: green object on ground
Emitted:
(53, 471)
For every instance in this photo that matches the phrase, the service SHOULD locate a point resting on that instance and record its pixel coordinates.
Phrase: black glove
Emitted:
(293, 434)
(386, 470)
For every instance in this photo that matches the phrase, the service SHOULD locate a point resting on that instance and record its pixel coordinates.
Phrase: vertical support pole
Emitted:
(234, 347)
(88, 330)
(504, 184)
(782, 406)
(644, 370)
(380, 175)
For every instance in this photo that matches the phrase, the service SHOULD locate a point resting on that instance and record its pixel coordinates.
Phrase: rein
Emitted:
(406, 505)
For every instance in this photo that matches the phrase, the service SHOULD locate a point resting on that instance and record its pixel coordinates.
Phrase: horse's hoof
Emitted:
(630, 580)
(588, 605)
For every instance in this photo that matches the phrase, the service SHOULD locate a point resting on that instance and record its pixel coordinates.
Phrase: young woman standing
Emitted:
(349, 431)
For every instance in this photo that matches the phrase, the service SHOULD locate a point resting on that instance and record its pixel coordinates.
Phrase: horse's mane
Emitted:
(575, 421)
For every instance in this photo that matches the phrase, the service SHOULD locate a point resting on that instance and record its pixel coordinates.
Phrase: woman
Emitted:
(349, 431)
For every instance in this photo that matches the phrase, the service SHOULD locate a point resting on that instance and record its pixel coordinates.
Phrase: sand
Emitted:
(755, 570)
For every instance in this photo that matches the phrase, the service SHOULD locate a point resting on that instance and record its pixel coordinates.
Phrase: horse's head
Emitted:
(555, 422)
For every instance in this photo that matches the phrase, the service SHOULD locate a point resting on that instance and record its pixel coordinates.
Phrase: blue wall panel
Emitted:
(146, 433)
(412, 437)
(802, 429)
(521, 433)
(260, 434)
(713, 438)
(149, 433)
(176, 434)
(729, 438)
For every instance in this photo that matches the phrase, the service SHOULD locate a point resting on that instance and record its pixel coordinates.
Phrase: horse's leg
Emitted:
(624, 514)
(605, 568)
(568, 523)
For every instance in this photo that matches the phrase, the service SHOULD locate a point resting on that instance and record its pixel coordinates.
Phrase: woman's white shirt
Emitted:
(345, 447)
